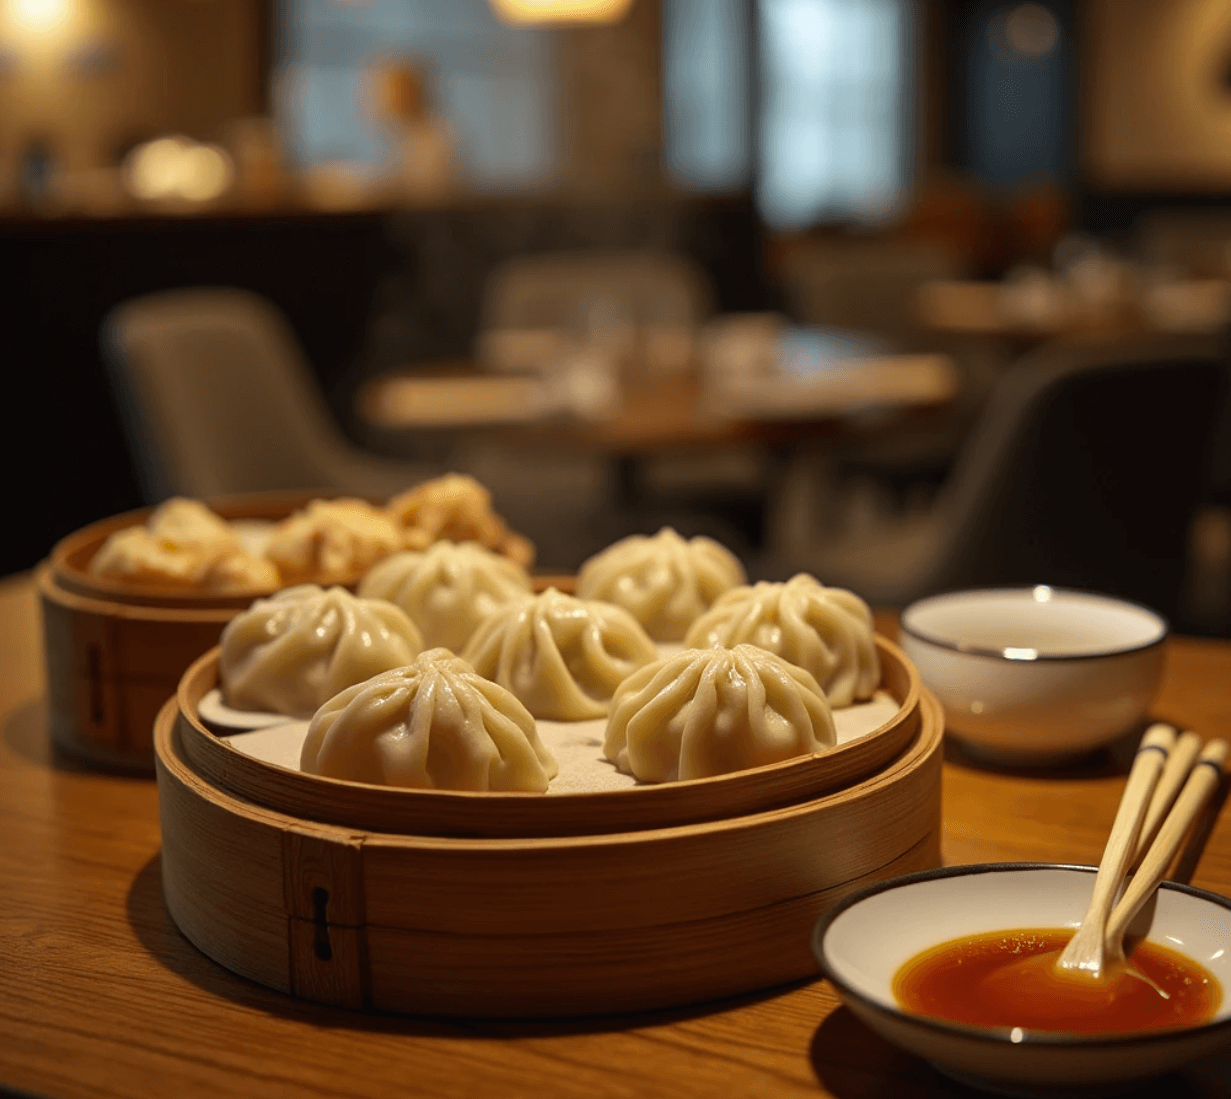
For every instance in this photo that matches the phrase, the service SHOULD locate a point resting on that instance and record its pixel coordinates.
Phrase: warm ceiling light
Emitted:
(1032, 31)
(42, 15)
(560, 11)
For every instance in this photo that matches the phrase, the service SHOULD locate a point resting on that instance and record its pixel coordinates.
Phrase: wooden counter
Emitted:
(101, 995)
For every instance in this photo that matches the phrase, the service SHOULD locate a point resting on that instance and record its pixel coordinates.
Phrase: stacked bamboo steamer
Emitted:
(480, 904)
(115, 650)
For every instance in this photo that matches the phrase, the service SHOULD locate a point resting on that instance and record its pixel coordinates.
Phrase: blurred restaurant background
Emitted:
(911, 294)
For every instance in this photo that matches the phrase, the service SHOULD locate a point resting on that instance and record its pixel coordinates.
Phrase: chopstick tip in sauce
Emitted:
(982, 981)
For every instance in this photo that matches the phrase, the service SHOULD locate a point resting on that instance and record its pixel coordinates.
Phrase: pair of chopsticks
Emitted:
(1177, 795)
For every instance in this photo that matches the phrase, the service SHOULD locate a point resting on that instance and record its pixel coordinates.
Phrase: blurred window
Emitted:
(706, 91)
(835, 127)
(492, 84)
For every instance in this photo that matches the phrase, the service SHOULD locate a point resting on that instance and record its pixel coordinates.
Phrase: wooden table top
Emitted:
(101, 995)
(655, 416)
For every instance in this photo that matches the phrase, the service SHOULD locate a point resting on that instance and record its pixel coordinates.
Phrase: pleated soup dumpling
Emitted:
(435, 724)
(447, 589)
(706, 712)
(292, 652)
(332, 541)
(563, 657)
(826, 631)
(664, 581)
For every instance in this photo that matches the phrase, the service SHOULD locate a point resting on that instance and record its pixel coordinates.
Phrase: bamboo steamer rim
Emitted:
(171, 754)
(51, 586)
(71, 556)
(480, 813)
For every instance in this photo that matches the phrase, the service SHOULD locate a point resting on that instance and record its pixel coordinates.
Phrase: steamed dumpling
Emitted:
(447, 589)
(563, 657)
(707, 712)
(332, 541)
(664, 581)
(826, 631)
(436, 724)
(294, 651)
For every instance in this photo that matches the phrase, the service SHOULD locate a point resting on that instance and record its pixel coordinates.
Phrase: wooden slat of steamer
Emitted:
(110, 667)
(451, 813)
(620, 970)
(541, 885)
(227, 868)
(222, 871)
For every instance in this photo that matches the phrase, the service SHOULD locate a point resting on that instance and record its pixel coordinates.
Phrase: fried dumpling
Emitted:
(292, 652)
(190, 524)
(332, 541)
(447, 589)
(664, 581)
(457, 508)
(435, 724)
(706, 712)
(176, 554)
(826, 631)
(563, 657)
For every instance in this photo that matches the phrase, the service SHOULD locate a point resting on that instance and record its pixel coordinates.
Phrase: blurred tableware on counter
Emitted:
(1036, 675)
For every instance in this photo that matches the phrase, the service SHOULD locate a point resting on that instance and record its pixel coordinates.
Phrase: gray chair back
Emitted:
(216, 397)
(1086, 471)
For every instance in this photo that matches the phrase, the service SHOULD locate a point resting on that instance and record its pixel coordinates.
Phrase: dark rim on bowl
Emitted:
(999, 654)
(1001, 1035)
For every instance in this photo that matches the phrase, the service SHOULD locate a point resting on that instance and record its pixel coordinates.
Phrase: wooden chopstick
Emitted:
(1202, 781)
(1086, 949)
(1180, 761)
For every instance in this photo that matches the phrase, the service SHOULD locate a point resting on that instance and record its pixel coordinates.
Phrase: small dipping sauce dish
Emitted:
(866, 942)
(1036, 675)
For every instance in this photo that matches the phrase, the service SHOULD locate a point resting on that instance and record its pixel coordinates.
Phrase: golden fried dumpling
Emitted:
(665, 581)
(176, 554)
(447, 589)
(457, 508)
(563, 657)
(435, 724)
(332, 541)
(190, 524)
(292, 652)
(826, 631)
(240, 572)
(707, 712)
(136, 555)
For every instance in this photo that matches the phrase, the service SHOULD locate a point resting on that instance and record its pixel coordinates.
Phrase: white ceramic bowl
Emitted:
(862, 942)
(1036, 674)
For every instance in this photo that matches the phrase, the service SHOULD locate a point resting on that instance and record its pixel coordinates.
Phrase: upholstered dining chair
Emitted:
(216, 398)
(1085, 470)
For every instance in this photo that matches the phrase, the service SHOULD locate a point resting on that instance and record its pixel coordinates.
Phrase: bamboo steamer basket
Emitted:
(115, 650)
(689, 892)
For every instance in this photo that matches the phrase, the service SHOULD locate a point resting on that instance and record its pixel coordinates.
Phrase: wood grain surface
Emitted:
(101, 996)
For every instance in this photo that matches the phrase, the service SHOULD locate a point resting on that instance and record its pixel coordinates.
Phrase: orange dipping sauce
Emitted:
(981, 981)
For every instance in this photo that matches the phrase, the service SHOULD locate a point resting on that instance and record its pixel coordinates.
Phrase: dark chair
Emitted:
(1084, 471)
(216, 398)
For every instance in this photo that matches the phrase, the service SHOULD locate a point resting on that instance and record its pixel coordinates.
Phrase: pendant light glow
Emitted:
(524, 12)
